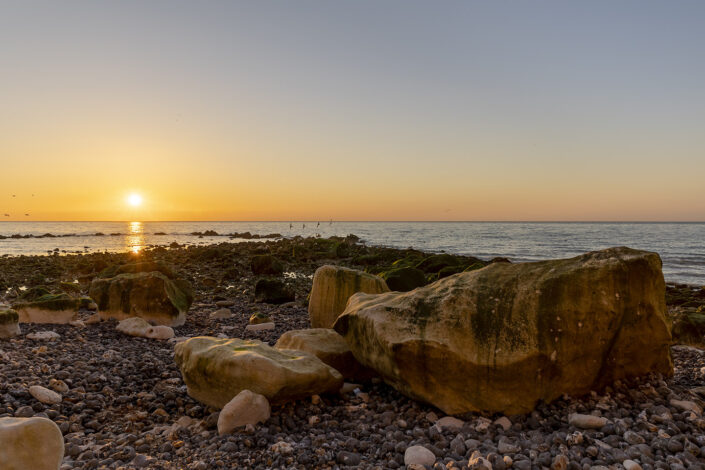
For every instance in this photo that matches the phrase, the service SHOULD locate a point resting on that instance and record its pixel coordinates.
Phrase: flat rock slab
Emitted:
(216, 370)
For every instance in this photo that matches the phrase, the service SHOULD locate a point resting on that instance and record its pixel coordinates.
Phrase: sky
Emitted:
(358, 110)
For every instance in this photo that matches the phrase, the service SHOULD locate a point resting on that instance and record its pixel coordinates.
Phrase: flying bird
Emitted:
(27, 215)
(7, 215)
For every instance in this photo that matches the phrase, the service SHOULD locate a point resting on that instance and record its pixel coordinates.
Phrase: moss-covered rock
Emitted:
(266, 265)
(503, 338)
(273, 291)
(258, 318)
(689, 327)
(9, 323)
(404, 279)
(148, 295)
(141, 267)
(48, 308)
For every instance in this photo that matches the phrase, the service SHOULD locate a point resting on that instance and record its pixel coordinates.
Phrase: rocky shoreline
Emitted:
(125, 404)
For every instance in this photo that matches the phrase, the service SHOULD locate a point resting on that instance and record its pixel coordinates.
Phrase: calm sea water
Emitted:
(681, 245)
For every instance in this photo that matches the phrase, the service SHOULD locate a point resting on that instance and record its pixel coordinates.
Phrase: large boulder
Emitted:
(48, 308)
(9, 325)
(148, 295)
(30, 443)
(215, 370)
(332, 287)
(501, 338)
(329, 347)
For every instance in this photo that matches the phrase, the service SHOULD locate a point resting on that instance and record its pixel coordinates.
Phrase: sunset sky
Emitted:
(363, 110)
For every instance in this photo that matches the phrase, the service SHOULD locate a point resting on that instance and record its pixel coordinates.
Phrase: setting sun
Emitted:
(134, 200)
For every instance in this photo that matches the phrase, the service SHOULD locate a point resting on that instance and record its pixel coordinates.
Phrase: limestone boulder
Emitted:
(501, 338)
(148, 295)
(333, 286)
(328, 346)
(30, 443)
(48, 308)
(216, 370)
(9, 323)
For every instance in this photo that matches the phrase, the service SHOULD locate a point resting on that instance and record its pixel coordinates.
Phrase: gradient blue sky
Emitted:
(392, 110)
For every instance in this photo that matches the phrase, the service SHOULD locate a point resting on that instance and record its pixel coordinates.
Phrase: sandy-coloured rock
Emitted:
(419, 455)
(246, 408)
(48, 308)
(137, 326)
(506, 336)
(221, 314)
(30, 443)
(687, 405)
(260, 326)
(215, 370)
(328, 346)
(149, 295)
(44, 395)
(44, 336)
(586, 421)
(333, 286)
(450, 423)
(9, 323)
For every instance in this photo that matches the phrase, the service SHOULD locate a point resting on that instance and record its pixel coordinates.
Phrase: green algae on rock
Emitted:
(9, 323)
(48, 308)
(148, 295)
(503, 338)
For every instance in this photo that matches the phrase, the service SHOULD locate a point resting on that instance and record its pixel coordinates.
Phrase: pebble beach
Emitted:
(124, 404)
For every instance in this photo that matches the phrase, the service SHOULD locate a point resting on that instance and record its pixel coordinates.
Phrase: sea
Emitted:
(681, 245)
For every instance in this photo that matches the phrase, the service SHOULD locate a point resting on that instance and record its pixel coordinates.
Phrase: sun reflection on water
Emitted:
(135, 237)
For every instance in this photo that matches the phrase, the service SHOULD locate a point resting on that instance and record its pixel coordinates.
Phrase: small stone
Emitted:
(586, 421)
(58, 386)
(686, 405)
(419, 455)
(221, 314)
(631, 465)
(245, 408)
(450, 423)
(348, 388)
(260, 327)
(504, 422)
(44, 395)
(44, 336)
(349, 458)
(282, 447)
(560, 462)
(633, 438)
(505, 447)
(478, 462)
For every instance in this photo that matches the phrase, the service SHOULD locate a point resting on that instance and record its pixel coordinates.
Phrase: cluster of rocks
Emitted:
(240, 379)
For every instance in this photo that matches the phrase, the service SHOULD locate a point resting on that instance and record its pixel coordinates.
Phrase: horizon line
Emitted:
(374, 221)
